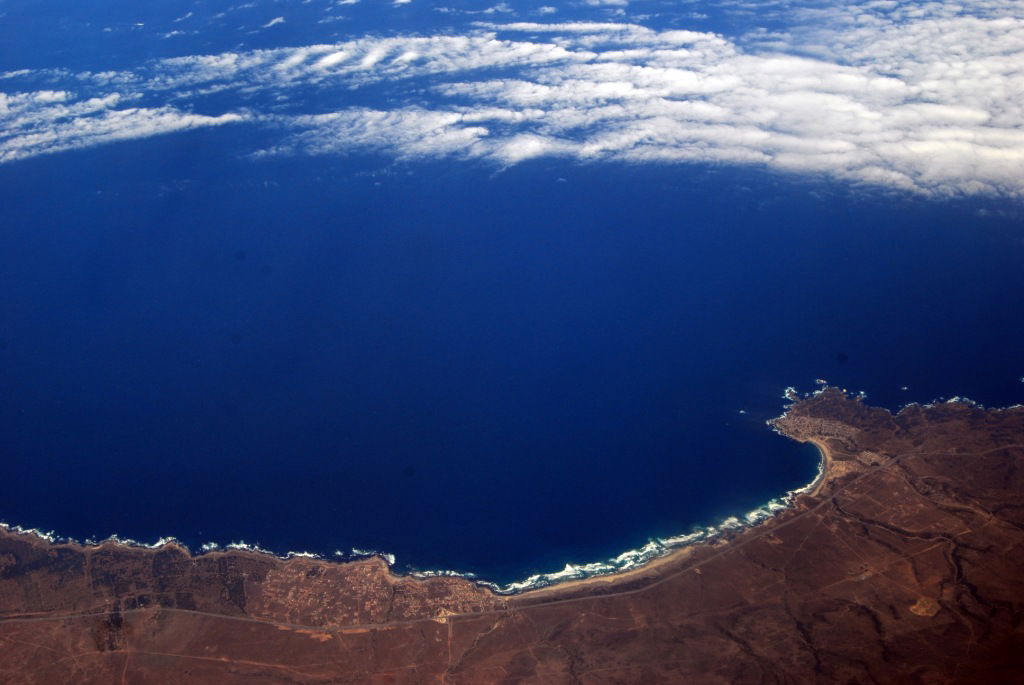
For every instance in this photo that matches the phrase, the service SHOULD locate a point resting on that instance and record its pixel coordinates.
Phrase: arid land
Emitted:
(904, 564)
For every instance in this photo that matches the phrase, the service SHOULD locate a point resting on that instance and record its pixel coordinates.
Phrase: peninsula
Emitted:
(904, 563)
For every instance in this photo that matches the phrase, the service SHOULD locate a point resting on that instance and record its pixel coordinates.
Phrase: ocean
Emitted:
(497, 371)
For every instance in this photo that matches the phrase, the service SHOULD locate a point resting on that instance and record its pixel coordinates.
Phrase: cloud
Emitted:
(924, 98)
(44, 122)
(410, 132)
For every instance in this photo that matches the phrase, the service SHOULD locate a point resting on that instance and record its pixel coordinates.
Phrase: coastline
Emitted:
(826, 466)
(633, 563)
(629, 565)
(814, 487)
(770, 589)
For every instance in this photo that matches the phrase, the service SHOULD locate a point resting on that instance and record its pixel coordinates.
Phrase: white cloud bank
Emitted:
(924, 98)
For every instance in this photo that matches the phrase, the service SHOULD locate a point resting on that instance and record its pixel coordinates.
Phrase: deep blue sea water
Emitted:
(496, 372)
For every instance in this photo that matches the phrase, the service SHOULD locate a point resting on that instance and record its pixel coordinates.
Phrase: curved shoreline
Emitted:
(769, 602)
(629, 564)
(824, 467)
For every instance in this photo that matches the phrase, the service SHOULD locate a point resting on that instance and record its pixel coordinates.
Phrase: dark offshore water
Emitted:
(492, 372)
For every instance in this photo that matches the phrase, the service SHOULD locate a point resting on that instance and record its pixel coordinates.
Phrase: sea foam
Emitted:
(627, 560)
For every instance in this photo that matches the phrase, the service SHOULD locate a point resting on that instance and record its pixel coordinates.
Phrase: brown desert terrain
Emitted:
(904, 565)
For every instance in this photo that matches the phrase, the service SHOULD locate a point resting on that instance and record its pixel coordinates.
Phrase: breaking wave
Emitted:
(626, 561)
